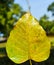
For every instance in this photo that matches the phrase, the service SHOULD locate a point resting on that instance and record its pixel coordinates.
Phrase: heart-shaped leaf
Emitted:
(27, 41)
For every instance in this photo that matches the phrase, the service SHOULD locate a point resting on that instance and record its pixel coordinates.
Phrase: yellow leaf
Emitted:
(27, 41)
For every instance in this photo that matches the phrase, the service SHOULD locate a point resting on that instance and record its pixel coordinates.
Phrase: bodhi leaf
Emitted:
(27, 41)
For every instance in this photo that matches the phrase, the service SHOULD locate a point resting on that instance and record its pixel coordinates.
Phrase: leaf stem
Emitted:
(30, 62)
(29, 7)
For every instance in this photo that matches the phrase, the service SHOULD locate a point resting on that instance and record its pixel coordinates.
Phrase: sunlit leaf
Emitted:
(27, 41)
